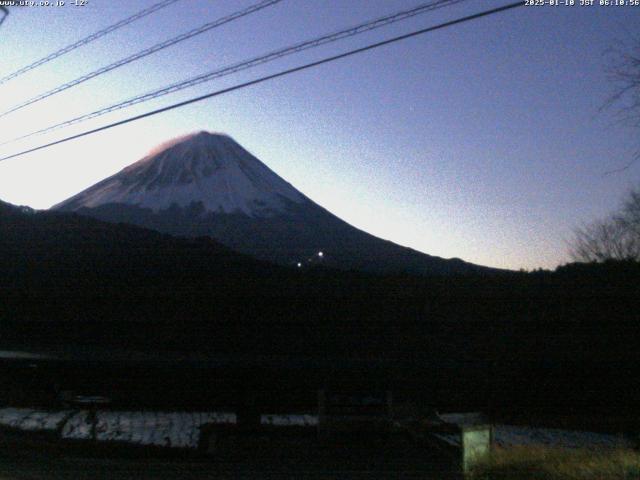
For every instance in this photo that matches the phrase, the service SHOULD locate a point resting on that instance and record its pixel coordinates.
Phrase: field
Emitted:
(23, 456)
(546, 463)
(263, 458)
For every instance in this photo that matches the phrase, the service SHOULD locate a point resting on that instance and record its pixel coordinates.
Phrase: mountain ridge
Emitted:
(207, 184)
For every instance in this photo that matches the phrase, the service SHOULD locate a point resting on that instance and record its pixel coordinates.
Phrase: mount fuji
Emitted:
(206, 184)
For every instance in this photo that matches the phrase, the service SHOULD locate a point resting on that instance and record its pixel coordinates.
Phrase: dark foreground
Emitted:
(250, 457)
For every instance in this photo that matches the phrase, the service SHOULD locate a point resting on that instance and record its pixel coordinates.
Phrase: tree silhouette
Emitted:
(616, 237)
(623, 74)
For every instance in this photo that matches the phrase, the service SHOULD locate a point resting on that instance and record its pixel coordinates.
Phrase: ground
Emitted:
(252, 457)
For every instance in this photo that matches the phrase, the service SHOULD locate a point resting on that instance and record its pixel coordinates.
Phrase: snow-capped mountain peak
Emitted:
(206, 184)
(207, 168)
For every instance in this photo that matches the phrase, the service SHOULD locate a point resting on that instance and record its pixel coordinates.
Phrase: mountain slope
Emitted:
(62, 251)
(69, 279)
(207, 184)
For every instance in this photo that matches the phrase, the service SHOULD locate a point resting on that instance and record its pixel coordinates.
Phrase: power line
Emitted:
(272, 76)
(237, 67)
(89, 39)
(148, 51)
(5, 14)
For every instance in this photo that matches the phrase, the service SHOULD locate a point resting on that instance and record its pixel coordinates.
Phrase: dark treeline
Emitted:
(559, 341)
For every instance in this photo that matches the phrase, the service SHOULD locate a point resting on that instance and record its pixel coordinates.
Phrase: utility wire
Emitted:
(148, 51)
(272, 76)
(237, 67)
(89, 39)
(5, 14)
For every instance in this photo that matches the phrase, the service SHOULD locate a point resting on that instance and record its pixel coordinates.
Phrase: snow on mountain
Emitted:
(206, 184)
(203, 167)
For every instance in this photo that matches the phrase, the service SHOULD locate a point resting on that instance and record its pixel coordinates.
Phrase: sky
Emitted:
(484, 141)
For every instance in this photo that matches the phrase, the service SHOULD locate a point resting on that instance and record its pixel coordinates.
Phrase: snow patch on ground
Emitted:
(511, 436)
(166, 429)
(182, 429)
(290, 420)
(32, 420)
(507, 435)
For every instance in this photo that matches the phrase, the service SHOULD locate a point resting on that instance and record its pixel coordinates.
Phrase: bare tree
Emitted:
(623, 73)
(617, 237)
(614, 238)
(629, 217)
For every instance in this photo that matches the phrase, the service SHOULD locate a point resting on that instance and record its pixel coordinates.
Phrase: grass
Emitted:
(547, 463)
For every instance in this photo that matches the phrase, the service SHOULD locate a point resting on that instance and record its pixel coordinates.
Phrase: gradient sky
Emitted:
(483, 141)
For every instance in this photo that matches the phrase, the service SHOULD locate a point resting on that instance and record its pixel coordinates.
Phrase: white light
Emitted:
(320, 254)
(299, 264)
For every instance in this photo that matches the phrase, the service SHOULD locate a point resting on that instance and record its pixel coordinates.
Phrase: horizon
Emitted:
(399, 142)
